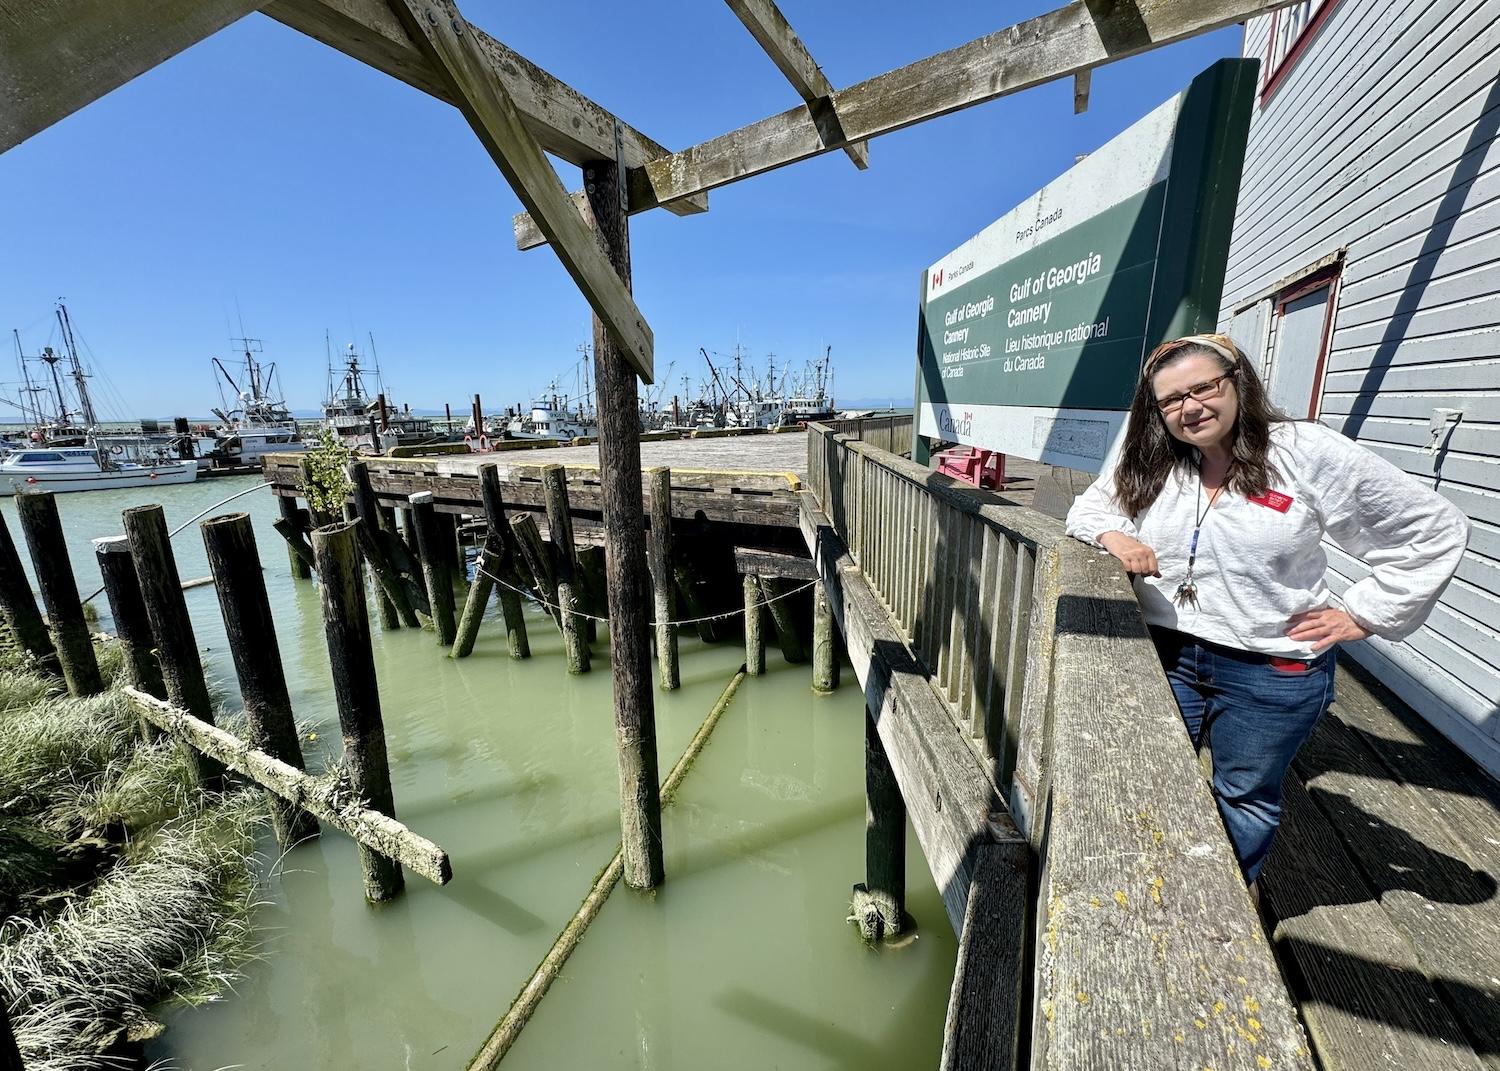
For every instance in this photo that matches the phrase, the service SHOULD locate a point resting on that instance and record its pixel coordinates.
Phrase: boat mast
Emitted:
(90, 420)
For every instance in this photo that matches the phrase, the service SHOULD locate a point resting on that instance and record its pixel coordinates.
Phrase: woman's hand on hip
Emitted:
(1324, 628)
(1133, 554)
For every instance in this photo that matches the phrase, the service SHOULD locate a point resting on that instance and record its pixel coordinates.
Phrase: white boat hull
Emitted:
(127, 476)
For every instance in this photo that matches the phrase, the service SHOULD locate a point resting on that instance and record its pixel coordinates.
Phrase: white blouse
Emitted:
(1261, 560)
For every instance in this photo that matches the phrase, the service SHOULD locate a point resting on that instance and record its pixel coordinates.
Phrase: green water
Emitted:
(742, 959)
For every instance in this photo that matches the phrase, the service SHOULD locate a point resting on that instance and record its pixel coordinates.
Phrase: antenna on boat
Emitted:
(85, 403)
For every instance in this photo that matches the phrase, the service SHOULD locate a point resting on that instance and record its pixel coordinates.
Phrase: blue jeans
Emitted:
(1253, 716)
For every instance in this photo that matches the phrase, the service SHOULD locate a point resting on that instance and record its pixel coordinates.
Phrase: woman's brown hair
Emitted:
(1150, 452)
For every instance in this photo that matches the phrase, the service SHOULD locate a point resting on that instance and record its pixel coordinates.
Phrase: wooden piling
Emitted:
(625, 560)
(251, 630)
(378, 545)
(825, 653)
(18, 605)
(171, 627)
(132, 627)
(434, 566)
(780, 604)
(880, 902)
(71, 637)
(593, 589)
(565, 566)
(755, 644)
(687, 585)
(301, 566)
(494, 563)
(538, 563)
(10, 1053)
(356, 691)
(663, 582)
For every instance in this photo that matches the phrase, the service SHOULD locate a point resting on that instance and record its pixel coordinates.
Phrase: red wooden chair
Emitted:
(982, 468)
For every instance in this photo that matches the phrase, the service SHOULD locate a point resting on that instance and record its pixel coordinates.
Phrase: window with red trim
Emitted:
(1292, 29)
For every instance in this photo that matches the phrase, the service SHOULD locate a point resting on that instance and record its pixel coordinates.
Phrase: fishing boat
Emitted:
(362, 419)
(67, 468)
(255, 418)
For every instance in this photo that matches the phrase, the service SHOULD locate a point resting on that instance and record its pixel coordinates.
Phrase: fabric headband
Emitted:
(1208, 343)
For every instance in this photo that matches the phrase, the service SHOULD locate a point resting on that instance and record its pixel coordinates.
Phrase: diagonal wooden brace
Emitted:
(444, 37)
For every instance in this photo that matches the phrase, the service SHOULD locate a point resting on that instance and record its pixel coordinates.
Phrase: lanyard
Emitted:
(1187, 591)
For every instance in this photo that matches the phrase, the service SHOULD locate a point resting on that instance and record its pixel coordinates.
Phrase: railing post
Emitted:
(234, 562)
(42, 528)
(351, 659)
(172, 627)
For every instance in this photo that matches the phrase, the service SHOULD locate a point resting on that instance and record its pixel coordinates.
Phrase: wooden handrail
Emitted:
(1149, 952)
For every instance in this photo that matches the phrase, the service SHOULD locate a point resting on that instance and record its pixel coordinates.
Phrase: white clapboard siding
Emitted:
(1383, 141)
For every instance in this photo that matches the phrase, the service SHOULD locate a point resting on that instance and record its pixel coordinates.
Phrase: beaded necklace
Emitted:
(1187, 591)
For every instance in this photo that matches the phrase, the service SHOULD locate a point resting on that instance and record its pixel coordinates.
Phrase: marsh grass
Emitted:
(121, 884)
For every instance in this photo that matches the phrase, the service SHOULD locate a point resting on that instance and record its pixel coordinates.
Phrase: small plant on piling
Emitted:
(323, 468)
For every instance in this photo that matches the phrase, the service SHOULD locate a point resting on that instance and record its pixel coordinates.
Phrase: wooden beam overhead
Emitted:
(769, 27)
(56, 56)
(564, 122)
(1079, 36)
(450, 46)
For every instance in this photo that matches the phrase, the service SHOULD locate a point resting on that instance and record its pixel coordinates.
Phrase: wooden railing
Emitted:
(1148, 952)
(890, 433)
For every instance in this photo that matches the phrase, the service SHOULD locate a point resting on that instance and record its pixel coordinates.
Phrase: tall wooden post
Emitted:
(825, 659)
(663, 582)
(625, 555)
(434, 566)
(565, 562)
(235, 564)
(166, 609)
(10, 1053)
(132, 627)
(478, 420)
(293, 517)
(880, 903)
(755, 641)
(390, 597)
(352, 661)
(42, 528)
(18, 605)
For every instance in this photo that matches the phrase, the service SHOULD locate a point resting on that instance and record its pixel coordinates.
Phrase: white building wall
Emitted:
(1380, 144)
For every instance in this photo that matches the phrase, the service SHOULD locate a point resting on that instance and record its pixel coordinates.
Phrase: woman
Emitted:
(1219, 505)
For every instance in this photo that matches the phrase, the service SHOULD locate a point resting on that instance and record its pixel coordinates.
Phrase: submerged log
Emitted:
(42, 527)
(166, 609)
(18, 605)
(663, 582)
(325, 798)
(351, 660)
(251, 631)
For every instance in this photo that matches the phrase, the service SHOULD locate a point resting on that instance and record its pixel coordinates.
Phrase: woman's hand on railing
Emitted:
(1133, 554)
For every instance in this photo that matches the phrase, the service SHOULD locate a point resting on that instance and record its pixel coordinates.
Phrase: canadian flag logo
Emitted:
(937, 279)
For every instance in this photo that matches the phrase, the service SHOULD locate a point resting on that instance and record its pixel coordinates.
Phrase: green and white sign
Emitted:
(1033, 331)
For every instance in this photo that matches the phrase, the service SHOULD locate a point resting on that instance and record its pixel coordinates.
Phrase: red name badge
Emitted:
(1274, 499)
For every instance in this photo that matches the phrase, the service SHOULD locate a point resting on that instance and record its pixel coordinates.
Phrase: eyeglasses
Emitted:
(1201, 392)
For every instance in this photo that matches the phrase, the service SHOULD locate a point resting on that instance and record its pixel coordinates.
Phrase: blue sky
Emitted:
(263, 175)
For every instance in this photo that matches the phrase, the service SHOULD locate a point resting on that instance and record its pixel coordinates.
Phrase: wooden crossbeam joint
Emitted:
(444, 37)
(771, 30)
